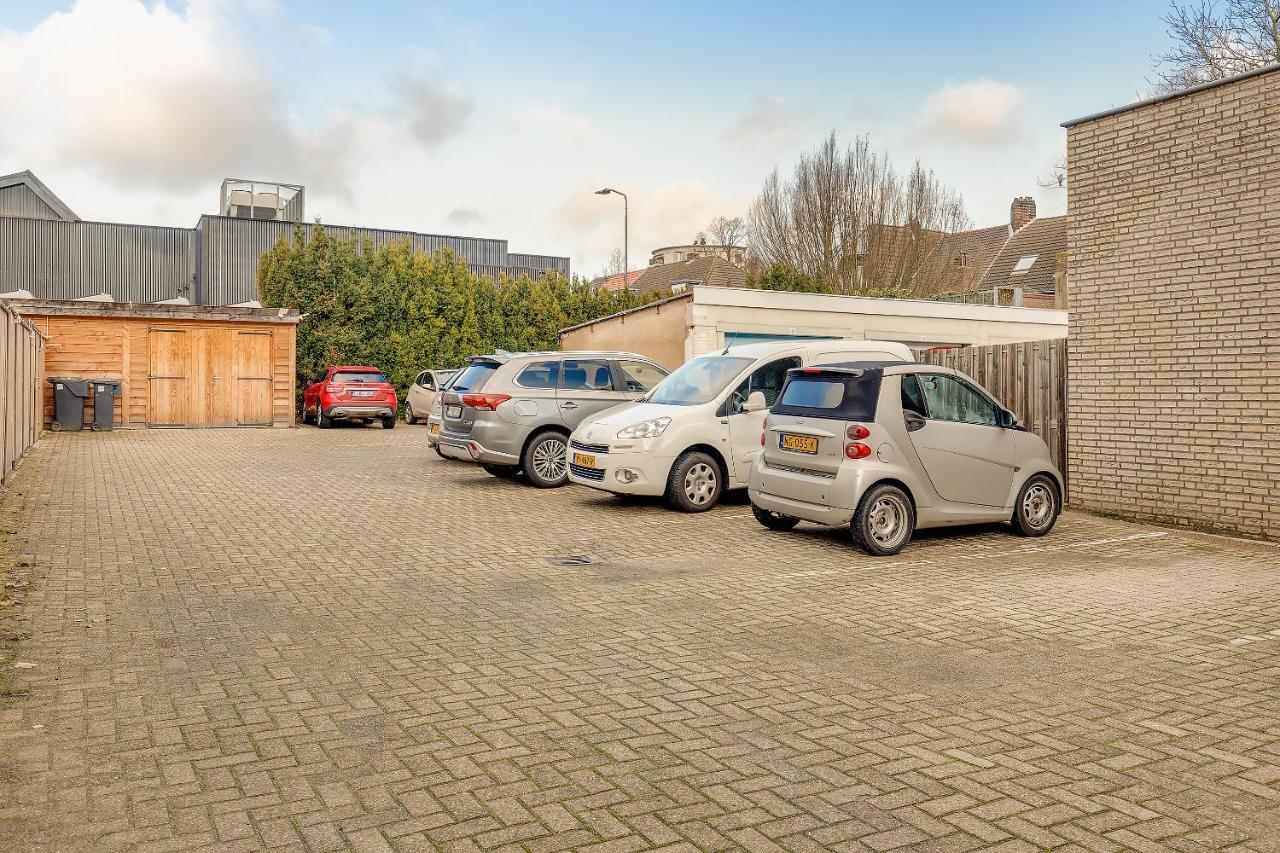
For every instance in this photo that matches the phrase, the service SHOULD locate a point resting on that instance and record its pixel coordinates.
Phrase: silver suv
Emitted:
(513, 412)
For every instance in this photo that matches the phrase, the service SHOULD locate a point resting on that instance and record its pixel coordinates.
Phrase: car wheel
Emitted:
(323, 421)
(1036, 510)
(306, 419)
(695, 482)
(774, 520)
(546, 461)
(884, 522)
(389, 422)
(409, 416)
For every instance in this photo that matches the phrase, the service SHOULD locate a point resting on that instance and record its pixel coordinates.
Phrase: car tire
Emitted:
(323, 421)
(546, 460)
(774, 520)
(884, 522)
(409, 416)
(695, 483)
(307, 419)
(1037, 507)
(389, 422)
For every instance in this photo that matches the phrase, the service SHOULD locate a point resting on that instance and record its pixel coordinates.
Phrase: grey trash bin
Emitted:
(105, 392)
(68, 403)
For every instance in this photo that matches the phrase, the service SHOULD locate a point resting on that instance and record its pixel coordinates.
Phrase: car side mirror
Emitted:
(755, 402)
(1006, 419)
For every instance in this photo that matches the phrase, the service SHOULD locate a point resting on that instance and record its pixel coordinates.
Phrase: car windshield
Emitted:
(698, 381)
(473, 376)
(345, 377)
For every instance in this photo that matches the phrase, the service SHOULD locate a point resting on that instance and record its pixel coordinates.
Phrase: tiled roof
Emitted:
(615, 281)
(1042, 239)
(710, 271)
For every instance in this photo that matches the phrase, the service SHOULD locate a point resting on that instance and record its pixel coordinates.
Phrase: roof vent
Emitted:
(268, 200)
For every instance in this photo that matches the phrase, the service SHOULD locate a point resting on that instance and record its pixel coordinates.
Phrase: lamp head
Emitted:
(604, 191)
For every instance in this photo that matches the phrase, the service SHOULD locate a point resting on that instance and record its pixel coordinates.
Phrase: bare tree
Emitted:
(849, 219)
(1212, 41)
(1057, 177)
(728, 233)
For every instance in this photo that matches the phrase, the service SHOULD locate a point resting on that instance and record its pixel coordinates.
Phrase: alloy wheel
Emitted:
(550, 459)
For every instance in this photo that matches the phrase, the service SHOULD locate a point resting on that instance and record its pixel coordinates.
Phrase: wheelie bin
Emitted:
(69, 395)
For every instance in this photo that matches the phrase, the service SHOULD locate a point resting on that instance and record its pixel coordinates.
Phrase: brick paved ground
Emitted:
(334, 640)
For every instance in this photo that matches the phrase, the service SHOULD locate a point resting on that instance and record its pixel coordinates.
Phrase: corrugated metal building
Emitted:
(46, 249)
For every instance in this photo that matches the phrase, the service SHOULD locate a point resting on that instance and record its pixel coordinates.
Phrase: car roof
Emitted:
(502, 357)
(762, 349)
(355, 368)
(888, 367)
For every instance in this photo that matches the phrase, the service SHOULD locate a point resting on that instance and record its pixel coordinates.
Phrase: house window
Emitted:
(1023, 265)
(961, 260)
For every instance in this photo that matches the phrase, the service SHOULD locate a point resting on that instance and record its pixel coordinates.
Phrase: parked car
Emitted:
(891, 448)
(696, 434)
(350, 393)
(435, 420)
(421, 398)
(513, 412)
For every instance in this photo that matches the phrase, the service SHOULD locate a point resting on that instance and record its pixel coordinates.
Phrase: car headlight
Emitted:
(645, 429)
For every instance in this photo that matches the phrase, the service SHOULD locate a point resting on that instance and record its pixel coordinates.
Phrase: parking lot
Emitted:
(333, 640)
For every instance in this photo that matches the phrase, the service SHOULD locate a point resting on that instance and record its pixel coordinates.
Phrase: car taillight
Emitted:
(762, 439)
(857, 450)
(857, 432)
(485, 402)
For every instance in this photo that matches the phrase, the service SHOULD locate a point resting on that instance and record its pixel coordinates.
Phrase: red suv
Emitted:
(349, 393)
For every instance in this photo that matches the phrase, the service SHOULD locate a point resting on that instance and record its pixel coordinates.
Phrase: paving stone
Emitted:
(334, 640)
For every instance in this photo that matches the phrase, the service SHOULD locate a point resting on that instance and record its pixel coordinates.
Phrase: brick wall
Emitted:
(1174, 254)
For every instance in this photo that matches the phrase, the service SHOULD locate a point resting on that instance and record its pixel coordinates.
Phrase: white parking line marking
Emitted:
(981, 555)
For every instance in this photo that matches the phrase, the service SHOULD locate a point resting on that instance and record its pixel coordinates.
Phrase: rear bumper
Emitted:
(833, 516)
(346, 411)
(470, 450)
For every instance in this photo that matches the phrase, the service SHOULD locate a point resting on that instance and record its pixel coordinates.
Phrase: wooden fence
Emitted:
(21, 377)
(1028, 379)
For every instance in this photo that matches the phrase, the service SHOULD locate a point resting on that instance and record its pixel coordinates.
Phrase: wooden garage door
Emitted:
(169, 378)
(253, 378)
(209, 378)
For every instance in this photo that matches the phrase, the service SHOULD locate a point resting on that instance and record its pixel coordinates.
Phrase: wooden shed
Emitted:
(178, 365)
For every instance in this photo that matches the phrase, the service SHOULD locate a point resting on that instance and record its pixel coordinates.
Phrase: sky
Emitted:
(500, 119)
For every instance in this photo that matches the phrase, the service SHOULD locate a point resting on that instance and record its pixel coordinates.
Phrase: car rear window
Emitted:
(831, 395)
(474, 376)
(351, 377)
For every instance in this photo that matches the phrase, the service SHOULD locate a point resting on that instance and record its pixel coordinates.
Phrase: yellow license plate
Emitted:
(798, 443)
(435, 428)
(584, 459)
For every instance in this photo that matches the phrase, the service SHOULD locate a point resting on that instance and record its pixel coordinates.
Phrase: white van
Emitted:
(697, 432)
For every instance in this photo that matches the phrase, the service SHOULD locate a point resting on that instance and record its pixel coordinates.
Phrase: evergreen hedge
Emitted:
(404, 311)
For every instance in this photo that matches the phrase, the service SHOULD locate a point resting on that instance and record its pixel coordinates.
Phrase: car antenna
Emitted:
(729, 339)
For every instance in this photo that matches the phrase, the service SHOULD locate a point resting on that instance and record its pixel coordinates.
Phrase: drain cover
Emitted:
(575, 560)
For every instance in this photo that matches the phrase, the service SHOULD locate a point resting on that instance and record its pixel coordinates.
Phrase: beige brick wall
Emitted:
(1174, 406)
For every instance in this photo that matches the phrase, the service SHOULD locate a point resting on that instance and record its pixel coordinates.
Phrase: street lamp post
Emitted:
(626, 256)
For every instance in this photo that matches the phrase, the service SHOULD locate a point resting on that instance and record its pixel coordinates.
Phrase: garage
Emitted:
(179, 366)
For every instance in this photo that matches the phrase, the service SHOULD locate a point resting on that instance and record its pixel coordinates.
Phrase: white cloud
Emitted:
(150, 96)
(434, 111)
(465, 216)
(976, 111)
(770, 123)
(662, 215)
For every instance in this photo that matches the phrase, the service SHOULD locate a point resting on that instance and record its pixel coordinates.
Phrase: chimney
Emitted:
(1022, 211)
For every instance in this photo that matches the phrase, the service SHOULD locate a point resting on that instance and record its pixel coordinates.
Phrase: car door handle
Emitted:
(569, 405)
(913, 421)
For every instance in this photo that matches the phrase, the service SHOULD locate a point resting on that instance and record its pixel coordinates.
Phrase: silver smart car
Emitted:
(513, 412)
(887, 448)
